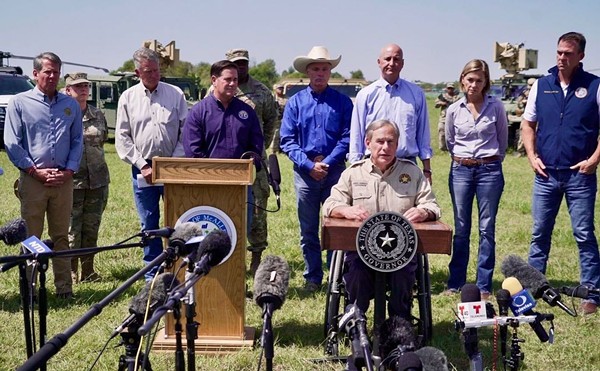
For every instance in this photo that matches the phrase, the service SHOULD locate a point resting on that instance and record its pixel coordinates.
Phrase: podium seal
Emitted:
(386, 241)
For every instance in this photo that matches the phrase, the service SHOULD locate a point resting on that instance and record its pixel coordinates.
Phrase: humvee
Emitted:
(349, 87)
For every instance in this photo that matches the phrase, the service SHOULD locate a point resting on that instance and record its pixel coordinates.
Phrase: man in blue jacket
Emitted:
(560, 132)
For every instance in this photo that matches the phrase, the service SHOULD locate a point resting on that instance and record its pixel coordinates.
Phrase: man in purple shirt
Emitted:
(221, 125)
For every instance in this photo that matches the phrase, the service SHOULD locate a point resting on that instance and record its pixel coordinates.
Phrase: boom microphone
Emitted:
(275, 174)
(432, 359)
(396, 337)
(180, 238)
(580, 291)
(14, 231)
(139, 303)
(213, 250)
(533, 280)
(522, 303)
(271, 282)
(162, 232)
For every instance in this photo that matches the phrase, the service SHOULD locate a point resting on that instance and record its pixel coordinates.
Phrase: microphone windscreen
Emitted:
(274, 168)
(271, 281)
(14, 232)
(408, 361)
(432, 359)
(512, 285)
(396, 332)
(470, 293)
(184, 232)
(529, 277)
(218, 244)
(158, 294)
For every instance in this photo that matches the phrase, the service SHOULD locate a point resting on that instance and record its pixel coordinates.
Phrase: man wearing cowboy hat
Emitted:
(399, 101)
(315, 133)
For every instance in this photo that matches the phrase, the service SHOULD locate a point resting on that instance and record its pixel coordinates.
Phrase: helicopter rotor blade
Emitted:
(10, 55)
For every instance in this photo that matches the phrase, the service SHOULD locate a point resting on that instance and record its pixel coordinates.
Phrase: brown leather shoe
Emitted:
(588, 307)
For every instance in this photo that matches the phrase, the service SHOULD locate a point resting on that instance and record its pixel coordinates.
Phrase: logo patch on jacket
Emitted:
(581, 92)
(405, 178)
(243, 115)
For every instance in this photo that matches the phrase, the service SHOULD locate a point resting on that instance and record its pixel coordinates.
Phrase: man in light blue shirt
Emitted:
(43, 136)
(399, 101)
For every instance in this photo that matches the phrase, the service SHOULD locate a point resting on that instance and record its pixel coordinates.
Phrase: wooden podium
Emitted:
(220, 296)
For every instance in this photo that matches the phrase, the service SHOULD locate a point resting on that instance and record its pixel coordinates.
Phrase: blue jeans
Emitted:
(580, 193)
(147, 202)
(486, 183)
(310, 195)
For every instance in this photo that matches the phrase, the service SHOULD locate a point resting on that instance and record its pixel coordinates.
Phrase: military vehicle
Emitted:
(514, 59)
(106, 90)
(12, 82)
(349, 87)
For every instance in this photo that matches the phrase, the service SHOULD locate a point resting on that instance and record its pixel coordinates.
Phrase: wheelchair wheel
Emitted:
(423, 296)
(335, 294)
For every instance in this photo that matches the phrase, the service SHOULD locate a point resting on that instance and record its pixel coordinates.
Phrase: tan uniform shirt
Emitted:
(401, 187)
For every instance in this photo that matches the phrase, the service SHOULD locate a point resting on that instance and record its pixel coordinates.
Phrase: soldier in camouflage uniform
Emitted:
(442, 102)
(281, 102)
(90, 183)
(521, 103)
(259, 97)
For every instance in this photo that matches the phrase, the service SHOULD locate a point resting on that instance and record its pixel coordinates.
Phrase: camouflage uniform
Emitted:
(259, 97)
(521, 103)
(90, 192)
(442, 102)
(281, 102)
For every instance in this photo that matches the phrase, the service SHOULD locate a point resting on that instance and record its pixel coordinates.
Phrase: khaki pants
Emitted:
(37, 202)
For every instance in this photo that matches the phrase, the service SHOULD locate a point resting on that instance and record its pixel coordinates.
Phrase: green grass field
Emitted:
(298, 324)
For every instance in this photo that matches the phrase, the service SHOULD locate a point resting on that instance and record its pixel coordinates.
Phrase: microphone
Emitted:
(408, 361)
(534, 280)
(162, 232)
(472, 308)
(353, 323)
(139, 303)
(396, 337)
(580, 291)
(432, 359)
(180, 238)
(523, 303)
(270, 289)
(14, 231)
(504, 301)
(274, 174)
(213, 250)
(271, 282)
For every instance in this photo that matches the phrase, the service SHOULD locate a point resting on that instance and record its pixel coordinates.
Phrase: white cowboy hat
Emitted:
(316, 54)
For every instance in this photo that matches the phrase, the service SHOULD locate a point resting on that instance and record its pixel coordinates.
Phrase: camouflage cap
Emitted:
(75, 78)
(237, 55)
(450, 85)
(278, 86)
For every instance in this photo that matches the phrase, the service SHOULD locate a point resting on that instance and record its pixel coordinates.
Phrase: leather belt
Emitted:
(471, 162)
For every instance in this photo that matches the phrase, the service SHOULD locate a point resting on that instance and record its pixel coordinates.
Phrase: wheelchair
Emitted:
(336, 301)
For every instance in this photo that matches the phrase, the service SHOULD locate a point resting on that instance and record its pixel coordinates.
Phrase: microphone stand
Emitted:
(516, 356)
(54, 345)
(191, 328)
(267, 336)
(42, 263)
(131, 341)
(25, 301)
(179, 360)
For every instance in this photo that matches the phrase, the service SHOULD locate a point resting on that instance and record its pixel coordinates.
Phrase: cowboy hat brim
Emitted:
(300, 63)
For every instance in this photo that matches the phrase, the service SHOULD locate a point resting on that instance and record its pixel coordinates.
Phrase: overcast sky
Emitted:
(438, 37)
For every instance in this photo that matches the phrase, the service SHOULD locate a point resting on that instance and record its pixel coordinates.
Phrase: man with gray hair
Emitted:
(150, 116)
(43, 136)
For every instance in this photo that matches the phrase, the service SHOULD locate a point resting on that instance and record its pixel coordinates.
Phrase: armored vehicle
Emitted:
(511, 87)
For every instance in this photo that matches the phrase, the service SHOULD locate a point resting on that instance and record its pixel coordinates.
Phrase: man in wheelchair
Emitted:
(381, 183)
